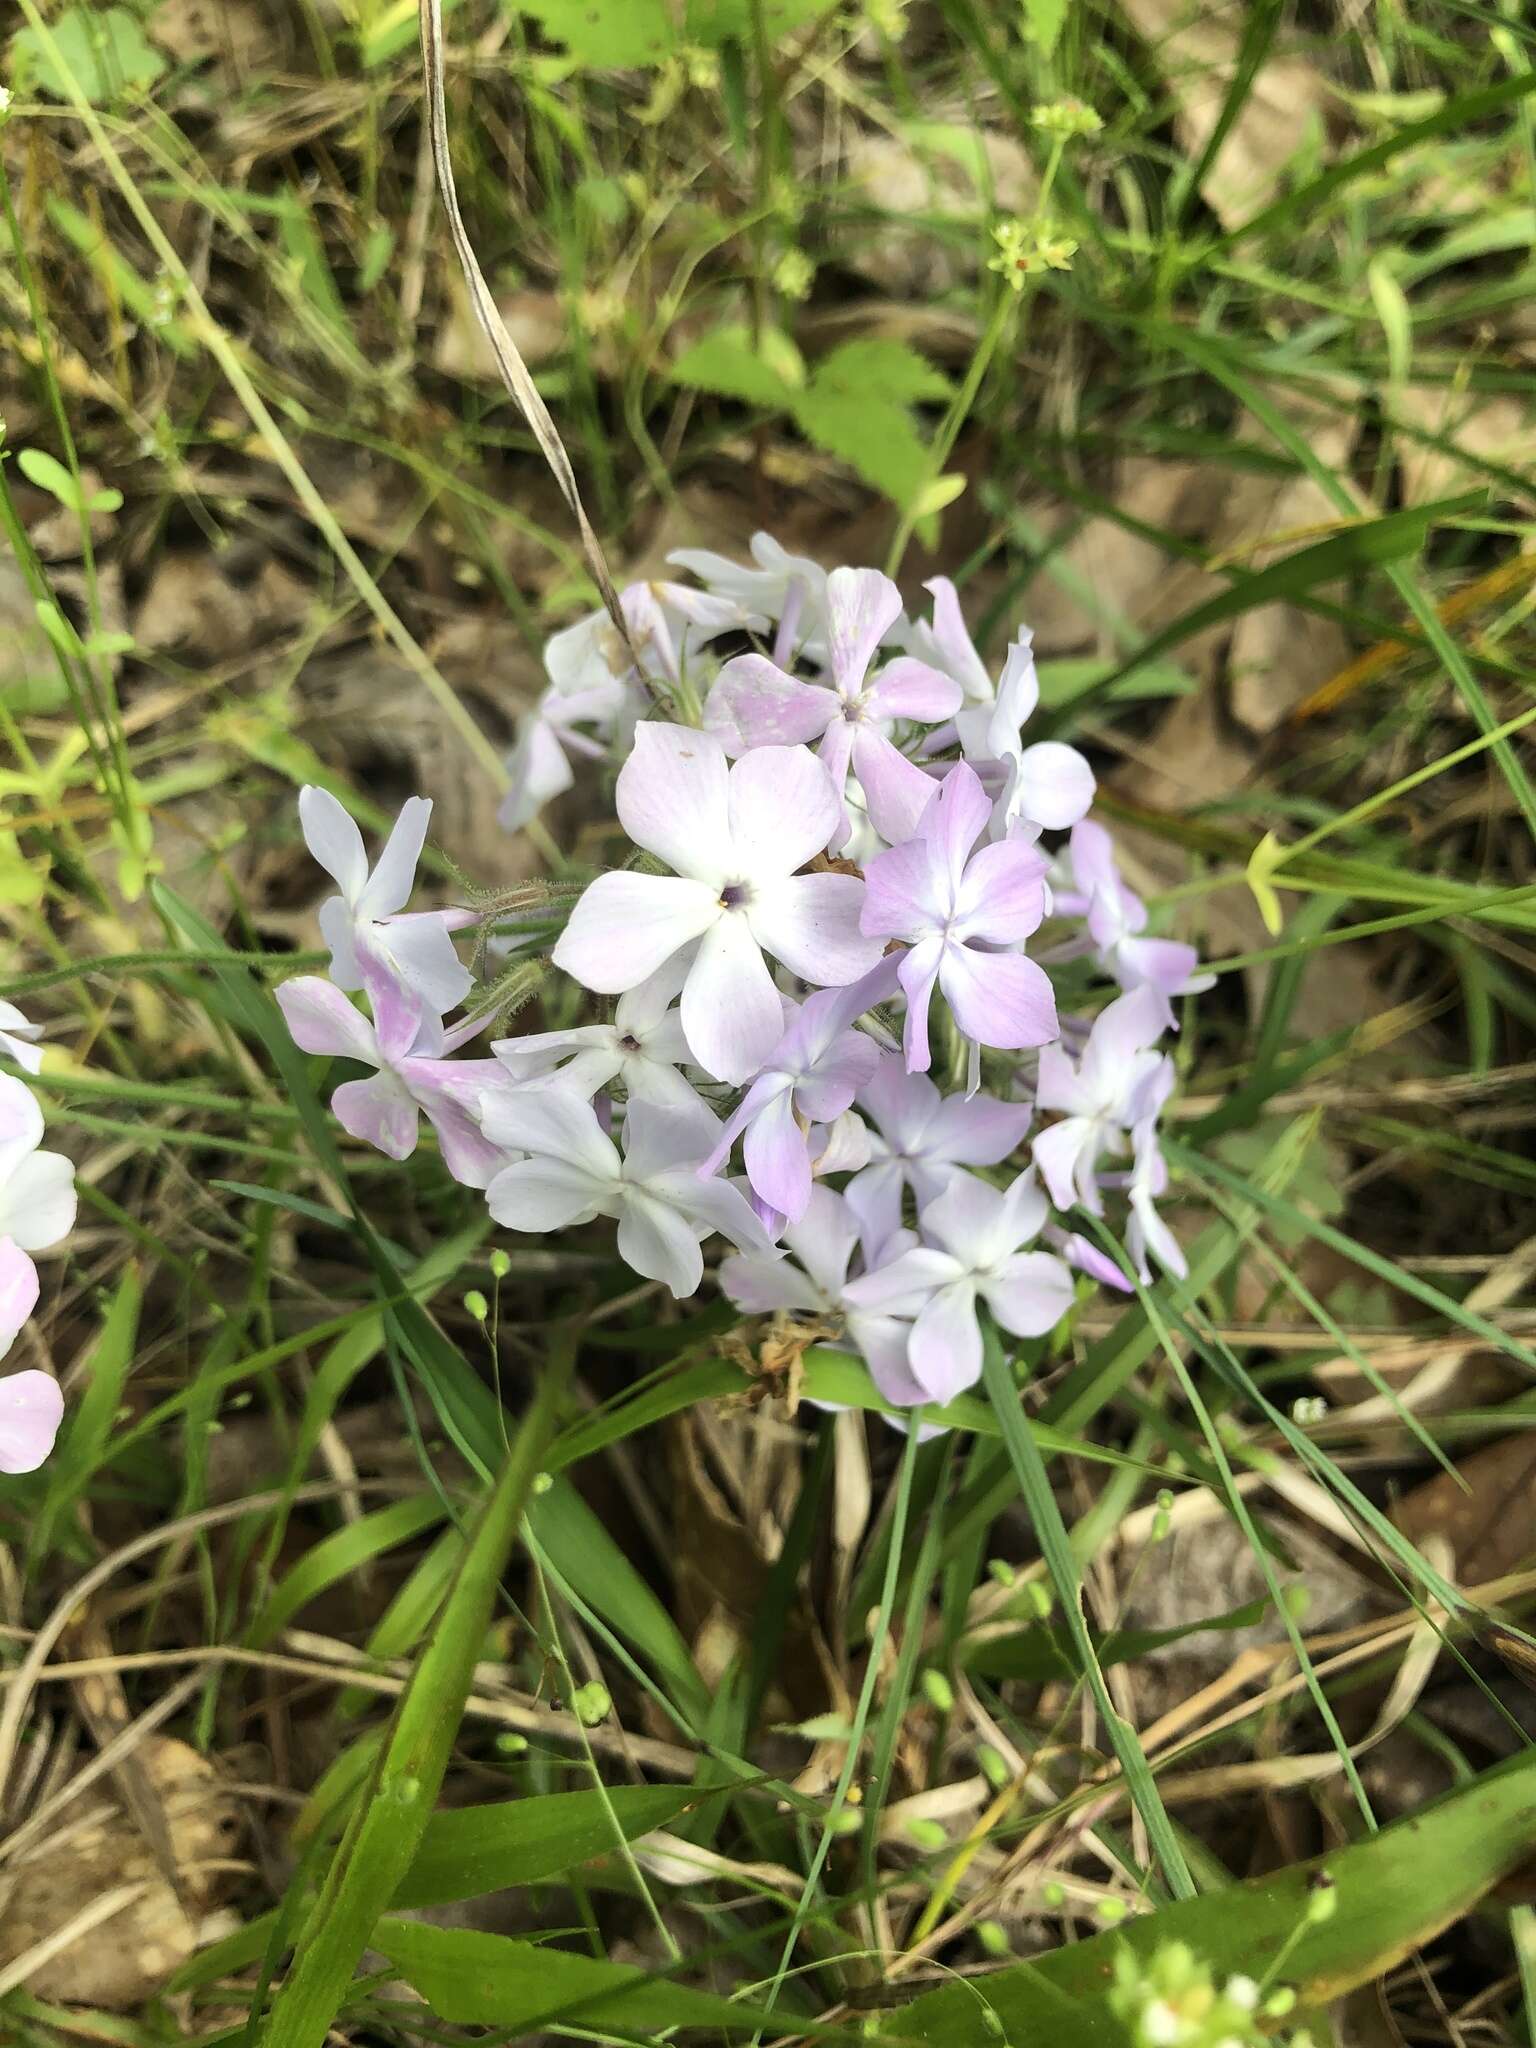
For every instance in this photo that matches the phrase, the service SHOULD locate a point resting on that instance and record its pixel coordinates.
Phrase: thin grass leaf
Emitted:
(1056, 1549)
(390, 1821)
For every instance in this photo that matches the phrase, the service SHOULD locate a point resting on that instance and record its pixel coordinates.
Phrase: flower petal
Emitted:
(783, 810)
(38, 1202)
(1030, 1295)
(449, 1092)
(778, 1159)
(625, 926)
(380, 1112)
(759, 1285)
(419, 947)
(320, 1019)
(905, 892)
(949, 639)
(21, 1119)
(907, 1283)
(954, 822)
(980, 1131)
(659, 1243)
(755, 704)
(18, 1291)
(333, 839)
(862, 606)
(543, 1194)
(389, 887)
(968, 1220)
(553, 1122)
(538, 770)
(731, 1011)
(31, 1409)
(812, 924)
(660, 1140)
(908, 688)
(1052, 785)
(999, 999)
(919, 970)
(839, 1075)
(1002, 898)
(896, 790)
(944, 1350)
(883, 1343)
(671, 799)
(1065, 1154)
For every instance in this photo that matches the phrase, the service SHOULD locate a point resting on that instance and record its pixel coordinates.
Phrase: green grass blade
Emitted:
(1056, 1549)
(391, 1819)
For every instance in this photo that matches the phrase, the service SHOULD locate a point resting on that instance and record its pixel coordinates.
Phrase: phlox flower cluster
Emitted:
(37, 1209)
(854, 890)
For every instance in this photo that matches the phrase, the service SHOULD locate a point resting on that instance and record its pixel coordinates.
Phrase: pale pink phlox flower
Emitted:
(31, 1405)
(1117, 921)
(37, 1188)
(16, 1036)
(641, 1049)
(404, 959)
(921, 1138)
(830, 1239)
(1045, 786)
(810, 1078)
(598, 689)
(788, 590)
(971, 1255)
(964, 916)
(406, 1047)
(734, 836)
(1101, 1096)
(574, 1171)
(756, 703)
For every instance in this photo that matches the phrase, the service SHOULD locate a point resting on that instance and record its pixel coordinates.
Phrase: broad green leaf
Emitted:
(102, 49)
(1393, 1893)
(727, 363)
(488, 1980)
(887, 368)
(49, 474)
(607, 35)
(875, 436)
(713, 22)
(473, 1850)
(858, 407)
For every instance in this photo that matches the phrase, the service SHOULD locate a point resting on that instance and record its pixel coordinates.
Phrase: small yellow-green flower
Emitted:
(1065, 119)
(1025, 248)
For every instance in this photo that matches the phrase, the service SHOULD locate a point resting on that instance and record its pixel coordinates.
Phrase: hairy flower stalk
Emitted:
(827, 849)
